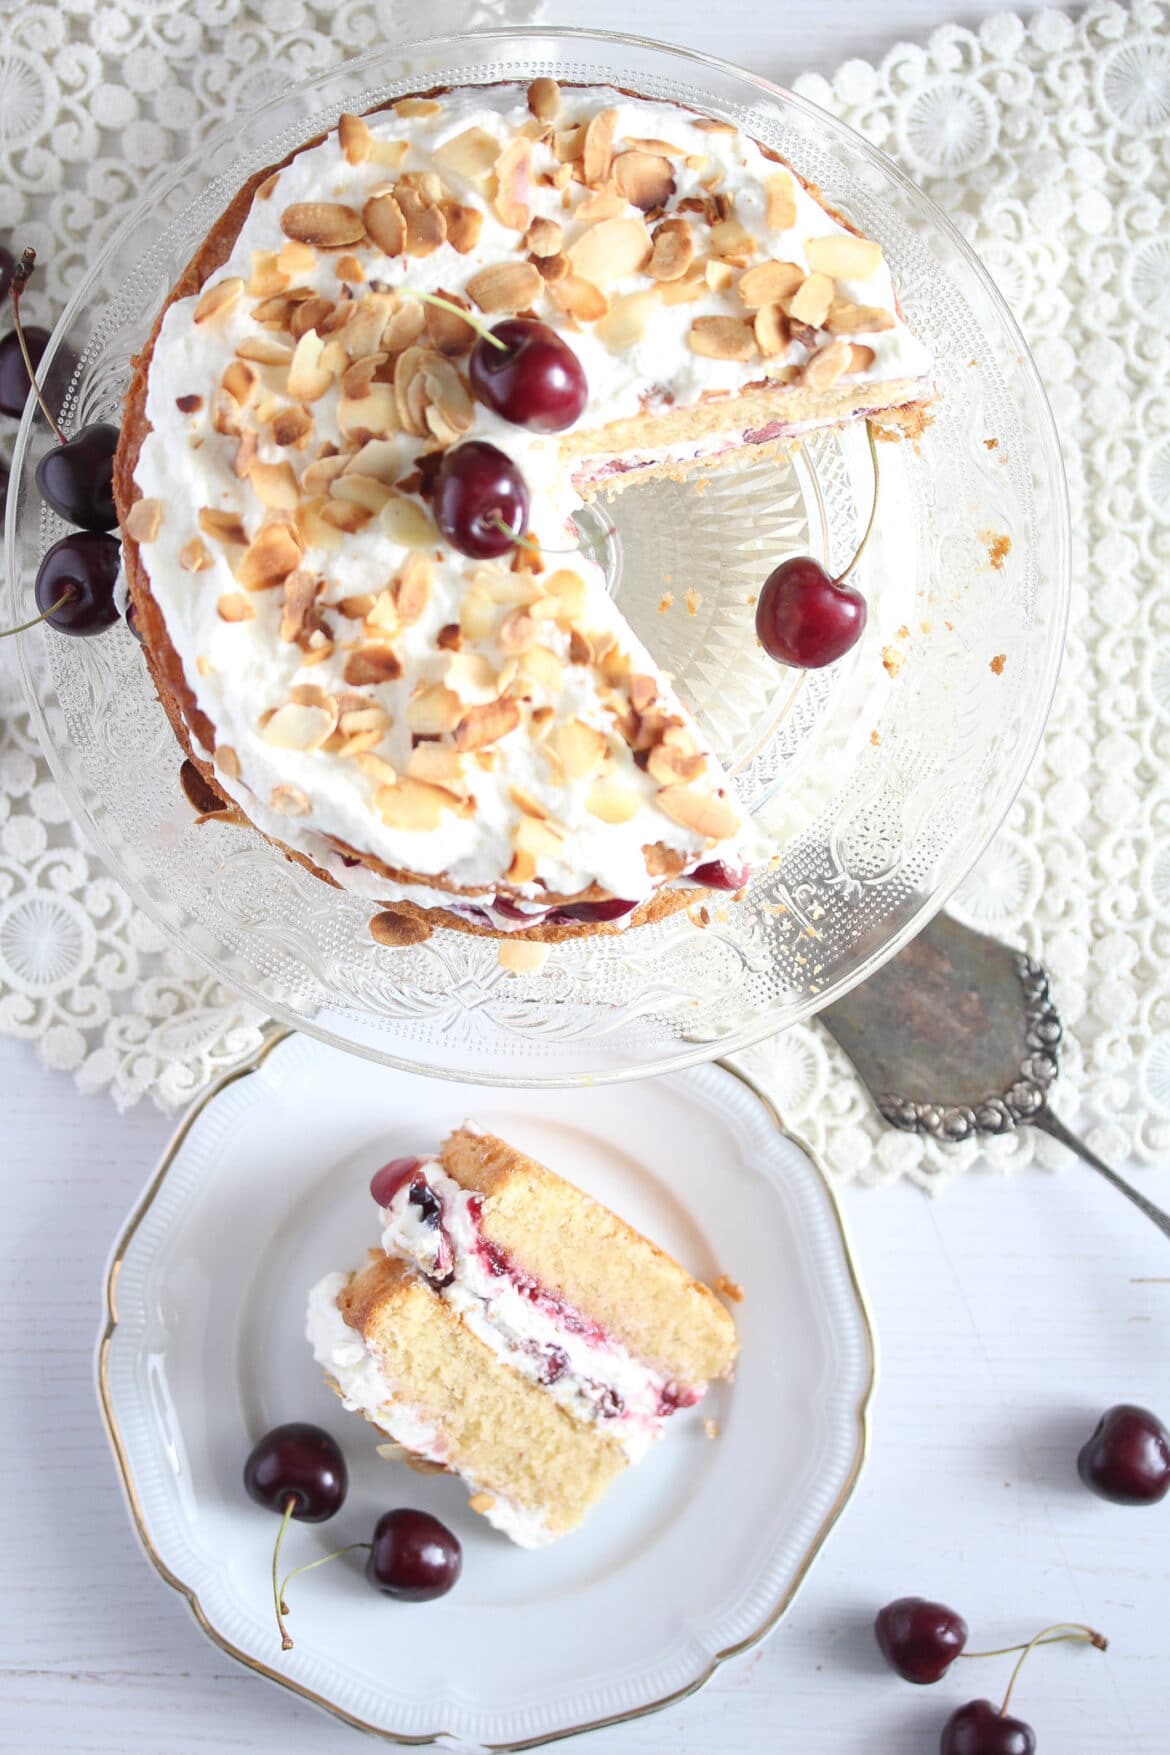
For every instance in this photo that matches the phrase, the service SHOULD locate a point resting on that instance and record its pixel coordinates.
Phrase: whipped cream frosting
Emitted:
(365, 1388)
(242, 673)
(594, 1378)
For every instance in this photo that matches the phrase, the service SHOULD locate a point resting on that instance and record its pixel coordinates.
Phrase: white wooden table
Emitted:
(1009, 1313)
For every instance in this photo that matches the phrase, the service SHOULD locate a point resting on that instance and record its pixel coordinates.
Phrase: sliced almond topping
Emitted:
(434, 710)
(673, 251)
(290, 801)
(473, 678)
(439, 764)
(413, 804)
(377, 767)
(569, 595)
(544, 667)
(645, 179)
(718, 275)
(848, 319)
(861, 358)
(353, 132)
(227, 761)
(710, 125)
(827, 365)
(347, 515)
(769, 281)
(450, 410)
(516, 632)
(780, 214)
(521, 871)
(233, 606)
(374, 416)
(447, 332)
(426, 229)
(270, 557)
(414, 588)
(246, 452)
(404, 327)
(300, 593)
(194, 556)
(610, 250)
(612, 802)
(382, 616)
(477, 616)
(670, 766)
(682, 292)
(267, 277)
(733, 242)
(544, 237)
(643, 692)
(538, 837)
(844, 257)
(372, 664)
(298, 727)
(544, 99)
(505, 286)
(513, 169)
(597, 149)
(362, 490)
(144, 520)
(225, 527)
(313, 530)
(701, 811)
(406, 523)
(771, 331)
(417, 106)
(276, 484)
(379, 458)
(388, 152)
(219, 298)
(358, 376)
(569, 143)
(296, 258)
(603, 203)
(308, 378)
(291, 426)
(309, 314)
(265, 350)
(581, 748)
(464, 224)
(327, 225)
(811, 300)
(486, 724)
(471, 154)
(349, 269)
(722, 338)
(628, 319)
(578, 297)
(385, 225)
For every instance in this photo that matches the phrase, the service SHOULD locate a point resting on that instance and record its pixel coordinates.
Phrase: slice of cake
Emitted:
(445, 712)
(516, 1332)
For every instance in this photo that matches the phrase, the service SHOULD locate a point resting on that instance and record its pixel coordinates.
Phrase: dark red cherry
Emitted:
(478, 489)
(919, 1639)
(7, 265)
(77, 478)
(534, 381)
(611, 909)
(14, 379)
(413, 1556)
(718, 875)
(804, 618)
(297, 1461)
(1127, 1459)
(83, 569)
(385, 1183)
(979, 1728)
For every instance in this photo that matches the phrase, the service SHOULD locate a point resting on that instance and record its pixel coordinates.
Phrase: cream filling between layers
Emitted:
(366, 1388)
(237, 670)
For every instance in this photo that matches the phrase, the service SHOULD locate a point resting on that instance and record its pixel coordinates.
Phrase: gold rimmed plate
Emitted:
(694, 1555)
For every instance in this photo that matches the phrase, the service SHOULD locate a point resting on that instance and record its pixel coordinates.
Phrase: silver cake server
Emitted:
(958, 1036)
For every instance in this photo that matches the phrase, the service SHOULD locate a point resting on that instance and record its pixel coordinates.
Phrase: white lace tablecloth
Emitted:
(1049, 146)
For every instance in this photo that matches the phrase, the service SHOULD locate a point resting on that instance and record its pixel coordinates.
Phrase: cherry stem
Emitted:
(67, 596)
(841, 577)
(443, 304)
(290, 1506)
(20, 279)
(1072, 1631)
(350, 1548)
(532, 543)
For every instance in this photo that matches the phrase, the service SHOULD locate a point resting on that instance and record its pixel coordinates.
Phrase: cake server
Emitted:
(958, 1036)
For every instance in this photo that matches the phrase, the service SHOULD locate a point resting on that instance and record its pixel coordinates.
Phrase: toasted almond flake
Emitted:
(719, 275)
(643, 692)
(811, 300)
(374, 416)
(861, 358)
(438, 764)
(327, 225)
(300, 593)
(707, 815)
(771, 331)
(669, 765)
(347, 515)
(842, 256)
(433, 710)
(673, 250)
(580, 748)
(290, 801)
(218, 298)
(612, 802)
(246, 453)
(382, 616)
(513, 171)
(414, 588)
(470, 155)
(270, 557)
(543, 666)
(597, 147)
(312, 528)
(544, 237)
(464, 225)
(645, 179)
(505, 286)
(417, 106)
(372, 665)
(477, 616)
(544, 99)
(473, 678)
(359, 375)
(569, 144)
(361, 490)
(849, 319)
(520, 956)
(578, 297)
(486, 724)
(233, 606)
(610, 250)
(353, 133)
(780, 214)
(406, 523)
(308, 378)
(450, 410)
(296, 258)
(521, 871)
(768, 282)
(516, 632)
(403, 327)
(350, 270)
(827, 365)
(298, 727)
(682, 292)
(309, 314)
(722, 338)
(426, 229)
(385, 224)
(414, 804)
(710, 125)
(540, 838)
(265, 350)
(733, 242)
(225, 527)
(275, 484)
(447, 332)
(227, 761)
(267, 277)
(144, 520)
(603, 203)
(291, 426)
(629, 319)
(194, 556)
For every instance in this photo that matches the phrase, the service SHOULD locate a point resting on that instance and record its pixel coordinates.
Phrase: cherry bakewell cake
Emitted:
(515, 1332)
(348, 514)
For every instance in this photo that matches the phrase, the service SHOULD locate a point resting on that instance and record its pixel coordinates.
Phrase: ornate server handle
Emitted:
(1044, 1118)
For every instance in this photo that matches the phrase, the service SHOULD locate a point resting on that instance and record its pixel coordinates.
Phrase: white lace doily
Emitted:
(1048, 143)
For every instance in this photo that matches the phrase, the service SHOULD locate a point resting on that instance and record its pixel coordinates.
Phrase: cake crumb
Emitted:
(893, 660)
(998, 662)
(875, 737)
(204, 666)
(998, 548)
(694, 599)
(665, 601)
(481, 1502)
(903, 632)
(753, 599)
(711, 1428)
(523, 956)
(729, 1288)
(991, 444)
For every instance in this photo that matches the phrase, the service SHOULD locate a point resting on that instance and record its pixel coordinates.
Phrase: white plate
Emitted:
(692, 1556)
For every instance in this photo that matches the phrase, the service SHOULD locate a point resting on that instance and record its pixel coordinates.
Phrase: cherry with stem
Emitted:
(521, 369)
(980, 1728)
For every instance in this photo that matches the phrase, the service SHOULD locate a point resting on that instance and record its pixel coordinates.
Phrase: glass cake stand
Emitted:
(877, 782)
